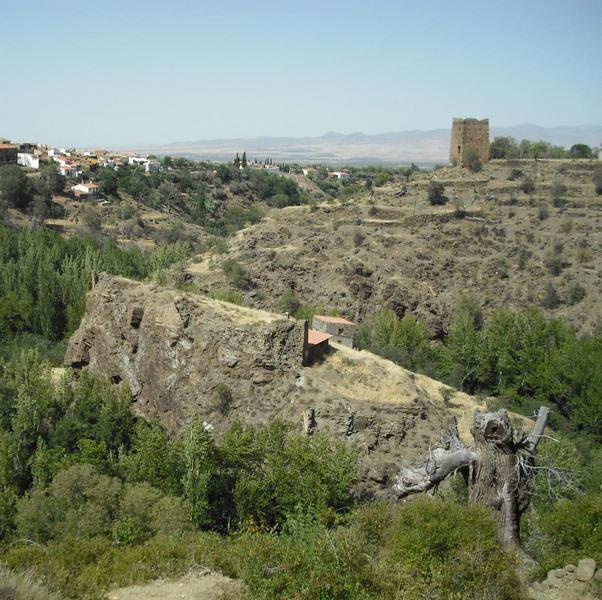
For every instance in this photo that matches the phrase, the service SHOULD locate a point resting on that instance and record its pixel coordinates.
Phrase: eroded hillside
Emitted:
(492, 240)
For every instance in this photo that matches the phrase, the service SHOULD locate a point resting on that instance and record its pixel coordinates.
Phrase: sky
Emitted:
(119, 73)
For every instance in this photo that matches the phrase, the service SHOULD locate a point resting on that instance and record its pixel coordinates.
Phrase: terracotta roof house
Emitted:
(339, 328)
(8, 153)
(317, 345)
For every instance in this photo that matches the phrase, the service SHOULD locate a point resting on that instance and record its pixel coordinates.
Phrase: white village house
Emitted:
(26, 159)
(70, 170)
(89, 190)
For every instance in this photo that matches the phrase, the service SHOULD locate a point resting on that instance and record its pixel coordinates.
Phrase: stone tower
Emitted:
(466, 134)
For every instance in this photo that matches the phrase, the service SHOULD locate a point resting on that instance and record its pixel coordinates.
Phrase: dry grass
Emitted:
(22, 586)
(364, 377)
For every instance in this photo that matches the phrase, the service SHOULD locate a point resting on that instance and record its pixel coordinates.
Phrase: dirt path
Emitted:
(194, 586)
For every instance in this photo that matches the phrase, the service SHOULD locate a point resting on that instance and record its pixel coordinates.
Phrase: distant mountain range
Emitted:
(422, 147)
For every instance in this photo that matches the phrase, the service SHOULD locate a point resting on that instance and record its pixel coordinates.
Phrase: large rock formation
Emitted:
(184, 354)
(174, 350)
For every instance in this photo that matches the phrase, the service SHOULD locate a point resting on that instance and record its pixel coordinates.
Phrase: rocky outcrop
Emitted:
(184, 354)
(571, 583)
(173, 349)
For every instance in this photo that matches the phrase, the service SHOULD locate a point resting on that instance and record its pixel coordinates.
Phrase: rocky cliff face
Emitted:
(174, 350)
(184, 354)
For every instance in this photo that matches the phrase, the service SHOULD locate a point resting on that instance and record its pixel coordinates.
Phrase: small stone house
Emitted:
(340, 329)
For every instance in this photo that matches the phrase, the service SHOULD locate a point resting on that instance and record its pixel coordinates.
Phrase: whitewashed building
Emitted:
(25, 159)
(90, 190)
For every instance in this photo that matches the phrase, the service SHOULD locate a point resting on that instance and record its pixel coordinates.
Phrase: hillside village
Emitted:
(80, 166)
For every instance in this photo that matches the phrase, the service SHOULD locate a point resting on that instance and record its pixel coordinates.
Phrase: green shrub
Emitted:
(472, 160)
(527, 185)
(228, 296)
(442, 549)
(583, 255)
(236, 274)
(542, 212)
(289, 302)
(78, 503)
(435, 194)
(554, 263)
(155, 458)
(551, 300)
(358, 238)
(576, 293)
(22, 586)
(570, 531)
(278, 474)
(223, 397)
(598, 181)
(405, 341)
(133, 522)
(566, 227)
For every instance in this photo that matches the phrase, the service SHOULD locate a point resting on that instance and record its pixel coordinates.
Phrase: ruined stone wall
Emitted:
(466, 134)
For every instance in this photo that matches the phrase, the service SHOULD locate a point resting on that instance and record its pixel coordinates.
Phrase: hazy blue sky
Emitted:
(123, 72)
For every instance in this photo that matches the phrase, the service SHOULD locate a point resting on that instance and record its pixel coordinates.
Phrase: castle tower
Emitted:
(466, 134)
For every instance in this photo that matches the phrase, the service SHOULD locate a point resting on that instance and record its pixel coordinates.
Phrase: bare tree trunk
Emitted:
(498, 467)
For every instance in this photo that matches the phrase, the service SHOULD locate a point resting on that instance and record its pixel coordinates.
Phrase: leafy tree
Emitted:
(463, 352)
(108, 180)
(223, 172)
(200, 466)
(504, 147)
(91, 218)
(53, 178)
(358, 238)
(581, 151)
(154, 459)
(15, 187)
(289, 302)
(278, 474)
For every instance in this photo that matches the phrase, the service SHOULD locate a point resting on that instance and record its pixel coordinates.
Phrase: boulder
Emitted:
(586, 569)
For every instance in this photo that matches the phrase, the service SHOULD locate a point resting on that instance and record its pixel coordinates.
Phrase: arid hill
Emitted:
(491, 240)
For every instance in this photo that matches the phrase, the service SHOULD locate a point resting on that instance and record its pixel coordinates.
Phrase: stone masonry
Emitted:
(467, 134)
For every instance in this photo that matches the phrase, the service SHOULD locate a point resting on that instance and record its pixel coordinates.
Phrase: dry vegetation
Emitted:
(491, 240)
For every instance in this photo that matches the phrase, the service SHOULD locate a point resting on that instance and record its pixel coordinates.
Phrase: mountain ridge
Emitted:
(422, 146)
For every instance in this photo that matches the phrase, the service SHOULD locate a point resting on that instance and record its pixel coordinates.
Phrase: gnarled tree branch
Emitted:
(443, 460)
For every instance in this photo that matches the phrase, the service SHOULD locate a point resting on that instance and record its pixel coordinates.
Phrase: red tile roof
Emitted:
(333, 319)
(315, 337)
(8, 146)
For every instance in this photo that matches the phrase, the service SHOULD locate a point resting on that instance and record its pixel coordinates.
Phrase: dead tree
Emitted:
(498, 467)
